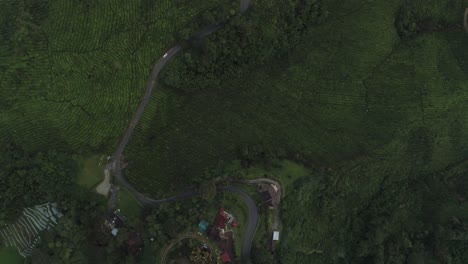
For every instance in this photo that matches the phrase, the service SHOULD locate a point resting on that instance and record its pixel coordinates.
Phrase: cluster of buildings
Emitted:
(222, 225)
(221, 232)
(115, 220)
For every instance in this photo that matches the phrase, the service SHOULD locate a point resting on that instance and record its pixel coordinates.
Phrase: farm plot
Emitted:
(341, 93)
(80, 70)
(24, 233)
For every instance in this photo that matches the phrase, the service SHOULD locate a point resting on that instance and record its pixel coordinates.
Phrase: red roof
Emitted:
(225, 257)
(221, 219)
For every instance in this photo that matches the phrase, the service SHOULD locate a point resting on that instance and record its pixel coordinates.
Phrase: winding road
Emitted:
(253, 220)
(114, 165)
(249, 231)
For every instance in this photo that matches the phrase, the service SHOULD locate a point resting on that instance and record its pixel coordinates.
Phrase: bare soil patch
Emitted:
(104, 187)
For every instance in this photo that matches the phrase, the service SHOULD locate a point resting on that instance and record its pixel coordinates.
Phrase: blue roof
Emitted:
(203, 225)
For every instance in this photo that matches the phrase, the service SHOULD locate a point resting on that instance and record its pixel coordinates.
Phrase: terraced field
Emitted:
(144, 170)
(351, 87)
(72, 72)
(24, 233)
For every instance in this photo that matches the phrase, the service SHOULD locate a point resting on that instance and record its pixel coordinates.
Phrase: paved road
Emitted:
(252, 223)
(114, 162)
(244, 5)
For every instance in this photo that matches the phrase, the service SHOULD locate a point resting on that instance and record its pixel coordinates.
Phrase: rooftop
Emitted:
(221, 219)
(225, 257)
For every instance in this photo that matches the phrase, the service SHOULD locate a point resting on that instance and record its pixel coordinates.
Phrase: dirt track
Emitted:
(190, 235)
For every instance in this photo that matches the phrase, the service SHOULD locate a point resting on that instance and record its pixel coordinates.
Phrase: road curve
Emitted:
(114, 163)
(252, 223)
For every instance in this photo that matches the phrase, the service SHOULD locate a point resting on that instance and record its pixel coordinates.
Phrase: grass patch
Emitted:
(149, 257)
(92, 171)
(130, 208)
(10, 256)
(287, 171)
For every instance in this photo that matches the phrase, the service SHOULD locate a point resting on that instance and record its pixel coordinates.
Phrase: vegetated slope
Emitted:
(349, 87)
(382, 210)
(28, 179)
(230, 53)
(72, 72)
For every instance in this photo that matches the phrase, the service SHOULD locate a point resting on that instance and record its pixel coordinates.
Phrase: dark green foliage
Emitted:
(375, 91)
(206, 19)
(28, 179)
(170, 220)
(75, 233)
(261, 255)
(245, 42)
(208, 190)
(347, 88)
(418, 217)
(72, 72)
(422, 16)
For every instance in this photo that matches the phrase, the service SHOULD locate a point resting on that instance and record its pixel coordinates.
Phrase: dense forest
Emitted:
(243, 43)
(28, 179)
(416, 219)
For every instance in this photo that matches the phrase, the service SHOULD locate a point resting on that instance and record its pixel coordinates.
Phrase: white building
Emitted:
(275, 235)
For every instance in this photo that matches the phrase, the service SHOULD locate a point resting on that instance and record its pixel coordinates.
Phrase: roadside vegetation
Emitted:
(128, 204)
(91, 171)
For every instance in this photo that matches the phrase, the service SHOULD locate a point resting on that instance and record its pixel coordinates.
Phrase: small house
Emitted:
(275, 235)
(119, 217)
(114, 221)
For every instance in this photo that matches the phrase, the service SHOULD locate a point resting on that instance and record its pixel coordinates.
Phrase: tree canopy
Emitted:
(28, 179)
(418, 220)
